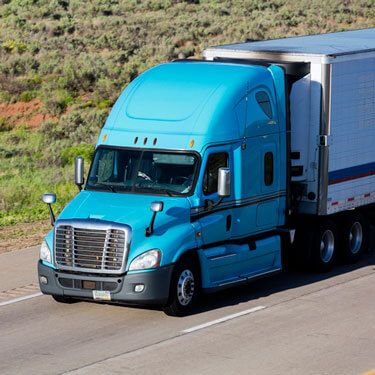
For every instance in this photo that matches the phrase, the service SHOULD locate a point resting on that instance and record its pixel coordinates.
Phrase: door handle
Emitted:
(229, 223)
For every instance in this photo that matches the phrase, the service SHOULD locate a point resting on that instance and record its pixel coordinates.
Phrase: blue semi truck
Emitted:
(208, 173)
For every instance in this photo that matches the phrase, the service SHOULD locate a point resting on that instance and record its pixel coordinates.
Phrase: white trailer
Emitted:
(331, 81)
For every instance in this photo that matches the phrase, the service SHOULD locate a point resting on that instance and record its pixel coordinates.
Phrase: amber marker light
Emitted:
(191, 143)
(104, 137)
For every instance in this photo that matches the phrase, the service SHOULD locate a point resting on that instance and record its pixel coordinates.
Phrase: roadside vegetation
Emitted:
(64, 62)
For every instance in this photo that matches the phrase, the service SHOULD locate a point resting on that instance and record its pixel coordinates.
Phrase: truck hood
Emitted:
(173, 231)
(131, 209)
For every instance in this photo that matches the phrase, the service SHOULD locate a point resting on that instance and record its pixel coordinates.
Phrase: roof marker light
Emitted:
(155, 140)
(104, 137)
(191, 143)
(135, 140)
(145, 141)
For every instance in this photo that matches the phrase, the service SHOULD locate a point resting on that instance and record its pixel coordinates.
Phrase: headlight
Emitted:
(149, 259)
(45, 252)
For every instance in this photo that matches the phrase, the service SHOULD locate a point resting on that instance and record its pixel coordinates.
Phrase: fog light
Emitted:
(43, 280)
(139, 288)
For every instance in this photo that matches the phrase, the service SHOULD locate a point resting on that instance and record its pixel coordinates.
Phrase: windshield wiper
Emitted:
(108, 187)
(171, 193)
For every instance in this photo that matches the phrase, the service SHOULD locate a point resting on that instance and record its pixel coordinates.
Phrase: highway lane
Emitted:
(305, 316)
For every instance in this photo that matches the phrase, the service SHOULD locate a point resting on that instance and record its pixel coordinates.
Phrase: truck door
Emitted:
(215, 220)
(221, 262)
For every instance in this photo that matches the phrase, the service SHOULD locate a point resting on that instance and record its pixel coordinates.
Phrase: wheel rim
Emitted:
(327, 246)
(355, 237)
(185, 287)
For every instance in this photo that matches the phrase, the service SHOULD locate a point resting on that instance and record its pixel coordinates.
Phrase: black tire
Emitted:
(184, 288)
(353, 237)
(323, 247)
(62, 299)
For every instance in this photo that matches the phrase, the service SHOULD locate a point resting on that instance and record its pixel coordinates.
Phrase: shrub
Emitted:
(58, 101)
(69, 154)
(4, 124)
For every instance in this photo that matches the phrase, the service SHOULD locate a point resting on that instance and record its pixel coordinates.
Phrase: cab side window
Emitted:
(214, 162)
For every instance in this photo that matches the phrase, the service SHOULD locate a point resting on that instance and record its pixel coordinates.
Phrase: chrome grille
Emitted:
(93, 246)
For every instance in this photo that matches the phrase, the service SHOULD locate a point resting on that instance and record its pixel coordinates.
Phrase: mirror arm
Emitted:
(150, 228)
(52, 215)
(210, 204)
(80, 185)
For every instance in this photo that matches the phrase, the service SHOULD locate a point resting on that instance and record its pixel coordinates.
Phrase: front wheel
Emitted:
(184, 288)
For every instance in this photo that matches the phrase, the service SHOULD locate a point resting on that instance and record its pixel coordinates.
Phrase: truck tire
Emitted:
(353, 231)
(184, 288)
(62, 299)
(323, 247)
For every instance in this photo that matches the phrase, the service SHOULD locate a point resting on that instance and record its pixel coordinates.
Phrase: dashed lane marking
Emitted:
(22, 293)
(224, 319)
(19, 299)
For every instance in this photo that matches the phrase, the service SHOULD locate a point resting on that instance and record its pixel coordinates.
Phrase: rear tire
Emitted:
(324, 246)
(315, 246)
(184, 288)
(62, 299)
(354, 233)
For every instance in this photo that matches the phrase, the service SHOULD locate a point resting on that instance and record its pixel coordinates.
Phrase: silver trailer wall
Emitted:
(351, 160)
(332, 114)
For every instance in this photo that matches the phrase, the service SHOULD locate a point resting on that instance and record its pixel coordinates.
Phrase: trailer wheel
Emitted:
(62, 299)
(184, 288)
(324, 246)
(354, 237)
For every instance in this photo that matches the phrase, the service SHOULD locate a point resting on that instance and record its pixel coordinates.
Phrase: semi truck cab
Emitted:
(189, 165)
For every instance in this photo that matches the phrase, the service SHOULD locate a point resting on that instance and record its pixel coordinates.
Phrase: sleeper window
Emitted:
(264, 102)
(215, 161)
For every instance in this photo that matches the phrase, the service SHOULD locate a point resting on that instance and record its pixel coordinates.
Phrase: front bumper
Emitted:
(156, 285)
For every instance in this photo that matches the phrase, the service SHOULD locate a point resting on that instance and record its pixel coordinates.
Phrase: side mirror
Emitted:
(50, 198)
(78, 172)
(223, 183)
(157, 206)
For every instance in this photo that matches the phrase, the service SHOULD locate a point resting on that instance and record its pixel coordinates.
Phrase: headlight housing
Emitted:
(45, 252)
(147, 260)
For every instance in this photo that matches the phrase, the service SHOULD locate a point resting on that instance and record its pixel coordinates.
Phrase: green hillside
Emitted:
(64, 62)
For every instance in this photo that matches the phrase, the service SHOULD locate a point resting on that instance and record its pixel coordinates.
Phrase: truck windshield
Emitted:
(127, 170)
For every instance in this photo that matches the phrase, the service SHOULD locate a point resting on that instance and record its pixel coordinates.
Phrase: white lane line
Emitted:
(20, 299)
(224, 319)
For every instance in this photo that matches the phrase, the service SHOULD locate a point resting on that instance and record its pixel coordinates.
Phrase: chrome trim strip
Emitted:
(215, 257)
(248, 278)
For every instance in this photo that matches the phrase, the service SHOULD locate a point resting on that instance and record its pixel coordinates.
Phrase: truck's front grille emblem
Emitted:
(87, 248)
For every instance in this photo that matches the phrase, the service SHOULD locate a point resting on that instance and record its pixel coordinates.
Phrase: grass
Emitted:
(74, 58)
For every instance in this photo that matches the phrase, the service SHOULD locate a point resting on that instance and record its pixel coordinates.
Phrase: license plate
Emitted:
(102, 295)
(87, 284)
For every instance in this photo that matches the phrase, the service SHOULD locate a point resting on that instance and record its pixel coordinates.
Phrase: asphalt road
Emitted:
(294, 323)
